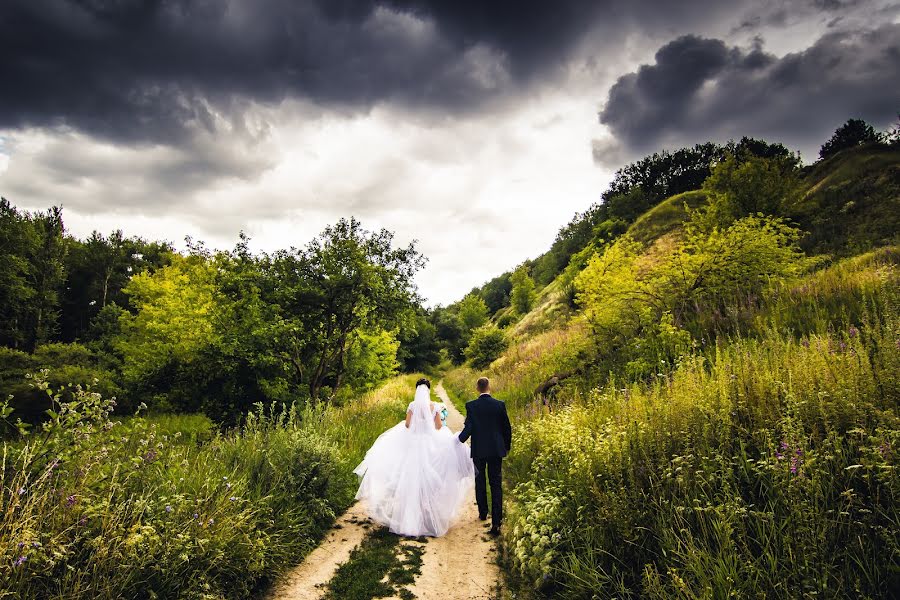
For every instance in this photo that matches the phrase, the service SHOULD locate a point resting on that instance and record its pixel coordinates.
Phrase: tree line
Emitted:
(215, 331)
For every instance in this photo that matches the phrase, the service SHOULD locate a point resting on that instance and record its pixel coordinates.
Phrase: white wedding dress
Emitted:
(414, 480)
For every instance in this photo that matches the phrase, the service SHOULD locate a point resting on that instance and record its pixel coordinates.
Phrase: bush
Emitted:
(163, 506)
(68, 365)
(506, 320)
(485, 346)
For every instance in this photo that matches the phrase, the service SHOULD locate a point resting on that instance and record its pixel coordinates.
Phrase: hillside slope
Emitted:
(715, 406)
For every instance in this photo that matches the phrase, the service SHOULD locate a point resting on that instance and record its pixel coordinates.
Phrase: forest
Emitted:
(701, 372)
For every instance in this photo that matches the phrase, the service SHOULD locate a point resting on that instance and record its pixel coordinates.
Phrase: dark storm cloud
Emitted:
(700, 89)
(161, 70)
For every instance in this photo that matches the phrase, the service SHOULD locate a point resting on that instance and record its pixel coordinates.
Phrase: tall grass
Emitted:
(139, 509)
(762, 465)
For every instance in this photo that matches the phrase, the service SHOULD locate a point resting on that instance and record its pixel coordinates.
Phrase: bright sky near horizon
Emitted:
(476, 128)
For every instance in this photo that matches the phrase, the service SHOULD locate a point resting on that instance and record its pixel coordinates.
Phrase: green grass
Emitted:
(165, 506)
(689, 484)
(665, 217)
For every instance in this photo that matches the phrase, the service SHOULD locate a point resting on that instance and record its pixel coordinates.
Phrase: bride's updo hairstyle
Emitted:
(424, 381)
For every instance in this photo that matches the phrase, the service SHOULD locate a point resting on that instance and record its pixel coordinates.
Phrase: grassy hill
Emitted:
(714, 412)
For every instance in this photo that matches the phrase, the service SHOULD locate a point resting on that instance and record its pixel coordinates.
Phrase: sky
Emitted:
(477, 128)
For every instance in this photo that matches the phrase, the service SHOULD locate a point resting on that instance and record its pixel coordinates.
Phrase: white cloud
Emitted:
(480, 194)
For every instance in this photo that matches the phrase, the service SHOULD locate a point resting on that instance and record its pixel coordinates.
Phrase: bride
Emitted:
(416, 475)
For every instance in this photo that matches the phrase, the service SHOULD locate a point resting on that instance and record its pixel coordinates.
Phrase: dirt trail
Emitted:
(458, 566)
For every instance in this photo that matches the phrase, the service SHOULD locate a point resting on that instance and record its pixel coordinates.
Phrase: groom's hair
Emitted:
(482, 384)
(423, 381)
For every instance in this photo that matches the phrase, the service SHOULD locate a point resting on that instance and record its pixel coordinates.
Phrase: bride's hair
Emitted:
(423, 381)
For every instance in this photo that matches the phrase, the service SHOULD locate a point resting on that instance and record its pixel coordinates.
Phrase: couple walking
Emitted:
(417, 474)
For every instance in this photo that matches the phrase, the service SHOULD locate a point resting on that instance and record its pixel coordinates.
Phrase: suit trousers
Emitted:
(493, 467)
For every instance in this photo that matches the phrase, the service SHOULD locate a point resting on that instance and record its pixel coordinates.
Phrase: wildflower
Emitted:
(227, 486)
(20, 545)
(150, 455)
(853, 331)
(196, 516)
(168, 508)
(211, 521)
(20, 561)
(22, 491)
(233, 498)
(805, 342)
(82, 521)
(70, 500)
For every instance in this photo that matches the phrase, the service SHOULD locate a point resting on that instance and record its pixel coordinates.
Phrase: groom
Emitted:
(488, 425)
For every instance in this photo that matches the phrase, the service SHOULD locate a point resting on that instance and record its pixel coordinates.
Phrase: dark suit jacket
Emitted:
(488, 425)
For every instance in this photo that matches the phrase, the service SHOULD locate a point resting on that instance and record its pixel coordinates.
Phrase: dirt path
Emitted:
(458, 566)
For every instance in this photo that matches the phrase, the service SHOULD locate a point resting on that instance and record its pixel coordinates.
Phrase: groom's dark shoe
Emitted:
(482, 517)
(494, 532)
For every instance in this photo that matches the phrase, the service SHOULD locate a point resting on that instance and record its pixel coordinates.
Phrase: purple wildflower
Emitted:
(853, 331)
(227, 486)
(70, 500)
(150, 455)
(784, 445)
(168, 508)
(20, 545)
(196, 516)
(82, 521)
(20, 561)
(805, 342)
(233, 498)
(22, 491)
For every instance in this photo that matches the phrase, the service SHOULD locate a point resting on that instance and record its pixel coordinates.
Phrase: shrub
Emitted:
(163, 507)
(485, 346)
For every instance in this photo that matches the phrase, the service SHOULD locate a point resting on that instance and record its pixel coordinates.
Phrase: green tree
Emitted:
(523, 294)
(473, 312)
(177, 309)
(746, 185)
(419, 345)
(46, 276)
(854, 132)
(345, 280)
(16, 293)
(486, 345)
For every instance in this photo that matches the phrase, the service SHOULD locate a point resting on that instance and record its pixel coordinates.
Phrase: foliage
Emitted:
(750, 185)
(496, 292)
(68, 364)
(854, 132)
(420, 347)
(163, 507)
(712, 472)
(473, 313)
(97, 270)
(31, 275)
(485, 346)
(623, 290)
(523, 294)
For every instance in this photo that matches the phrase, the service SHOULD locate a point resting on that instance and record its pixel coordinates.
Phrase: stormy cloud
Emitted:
(700, 88)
